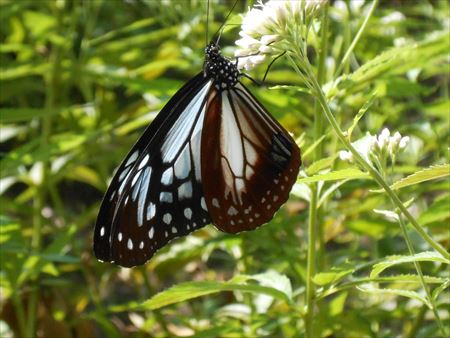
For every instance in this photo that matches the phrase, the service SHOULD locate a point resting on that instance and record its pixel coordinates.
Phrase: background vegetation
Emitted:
(79, 82)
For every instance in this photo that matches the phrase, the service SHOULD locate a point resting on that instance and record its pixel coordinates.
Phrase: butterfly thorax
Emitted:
(223, 71)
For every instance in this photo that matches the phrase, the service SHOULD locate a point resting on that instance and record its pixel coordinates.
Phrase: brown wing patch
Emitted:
(249, 167)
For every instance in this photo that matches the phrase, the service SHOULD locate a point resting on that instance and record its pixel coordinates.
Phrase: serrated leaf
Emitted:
(344, 174)
(397, 61)
(440, 288)
(431, 173)
(388, 214)
(409, 278)
(369, 288)
(427, 256)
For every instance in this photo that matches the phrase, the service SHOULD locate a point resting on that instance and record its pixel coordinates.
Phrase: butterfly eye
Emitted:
(212, 155)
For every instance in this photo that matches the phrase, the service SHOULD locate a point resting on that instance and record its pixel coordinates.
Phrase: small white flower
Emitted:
(393, 143)
(404, 142)
(393, 18)
(383, 139)
(266, 24)
(345, 155)
(384, 145)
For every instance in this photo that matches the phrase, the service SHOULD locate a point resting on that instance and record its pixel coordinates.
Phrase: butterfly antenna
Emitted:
(224, 22)
(207, 23)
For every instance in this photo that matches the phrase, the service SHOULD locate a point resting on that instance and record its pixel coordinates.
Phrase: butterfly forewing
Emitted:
(252, 162)
(156, 194)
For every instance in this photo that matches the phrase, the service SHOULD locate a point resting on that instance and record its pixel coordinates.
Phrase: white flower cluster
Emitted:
(387, 144)
(266, 24)
(380, 146)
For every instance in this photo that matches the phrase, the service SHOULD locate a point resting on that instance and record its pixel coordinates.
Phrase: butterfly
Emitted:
(213, 155)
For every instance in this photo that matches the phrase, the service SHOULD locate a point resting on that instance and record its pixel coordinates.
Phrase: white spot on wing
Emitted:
(141, 245)
(249, 172)
(203, 204)
(166, 197)
(132, 158)
(167, 218)
(143, 162)
(185, 190)
(179, 132)
(183, 163)
(151, 232)
(130, 244)
(143, 195)
(119, 236)
(215, 202)
(124, 173)
(188, 213)
(232, 211)
(122, 186)
(135, 178)
(230, 138)
(151, 209)
(174, 230)
(102, 231)
(250, 153)
(167, 176)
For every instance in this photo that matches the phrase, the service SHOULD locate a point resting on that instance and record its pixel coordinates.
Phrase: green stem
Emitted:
(371, 170)
(420, 273)
(46, 126)
(358, 35)
(313, 206)
(418, 322)
(157, 313)
(20, 313)
(311, 263)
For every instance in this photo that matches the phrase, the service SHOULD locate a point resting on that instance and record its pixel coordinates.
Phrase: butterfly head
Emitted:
(223, 71)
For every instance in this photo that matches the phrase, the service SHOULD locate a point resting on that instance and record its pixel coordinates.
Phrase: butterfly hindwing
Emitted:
(156, 193)
(252, 161)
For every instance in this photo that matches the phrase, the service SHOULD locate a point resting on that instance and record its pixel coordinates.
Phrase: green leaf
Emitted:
(440, 288)
(191, 290)
(428, 256)
(321, 164)
(369, 288)
(408, 278)
(431, 173)
(275, 280)
(374, 228)
(436, 212)
(398, 60)
(331, 277)
(344, 174)
(360, 114)
(8, 115)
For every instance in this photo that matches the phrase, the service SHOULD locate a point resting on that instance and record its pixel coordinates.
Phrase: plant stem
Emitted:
(20, 313)
(420, 273)
(371, 170)
(311, 263)
(52, 84)
(313, 206)
(356, 39)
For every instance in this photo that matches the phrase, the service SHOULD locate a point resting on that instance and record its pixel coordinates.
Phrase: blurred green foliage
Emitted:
(79, 82)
